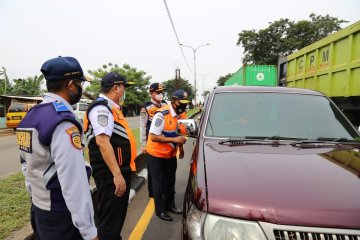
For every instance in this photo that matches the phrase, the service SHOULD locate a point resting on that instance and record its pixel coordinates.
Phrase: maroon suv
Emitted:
(273, 163)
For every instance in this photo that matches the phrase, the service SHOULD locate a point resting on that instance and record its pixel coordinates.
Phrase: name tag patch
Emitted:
(24, 140)
(75, 137)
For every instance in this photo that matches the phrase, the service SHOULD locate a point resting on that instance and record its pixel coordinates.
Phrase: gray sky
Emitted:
(138, 32)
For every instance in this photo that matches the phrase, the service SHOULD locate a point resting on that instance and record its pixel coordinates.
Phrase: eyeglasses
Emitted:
(81, 83)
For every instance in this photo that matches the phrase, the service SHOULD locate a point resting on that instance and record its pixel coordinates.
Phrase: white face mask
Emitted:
(159, 97)
(122, 99)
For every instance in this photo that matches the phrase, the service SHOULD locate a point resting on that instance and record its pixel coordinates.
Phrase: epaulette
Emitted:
(165, 112)
(60, 107)
(100, 99)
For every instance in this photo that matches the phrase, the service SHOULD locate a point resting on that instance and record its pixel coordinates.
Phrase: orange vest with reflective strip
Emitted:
(164, 150)
(122, 141)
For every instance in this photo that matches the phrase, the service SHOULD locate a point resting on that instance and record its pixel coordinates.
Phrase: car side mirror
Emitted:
(191, 127)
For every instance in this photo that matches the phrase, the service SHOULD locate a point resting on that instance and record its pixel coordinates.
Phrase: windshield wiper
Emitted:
(262, 139)
(275, 137)
(236, 140)
(342, 140)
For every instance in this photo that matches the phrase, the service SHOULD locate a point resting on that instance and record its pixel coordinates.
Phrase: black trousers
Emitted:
(111, 209)
(150, 189)
(163, 176)
(53, 225)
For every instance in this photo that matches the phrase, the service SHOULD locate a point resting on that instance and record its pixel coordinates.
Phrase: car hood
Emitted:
(284, 184)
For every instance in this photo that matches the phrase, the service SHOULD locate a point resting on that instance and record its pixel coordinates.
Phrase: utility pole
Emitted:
(177, 78)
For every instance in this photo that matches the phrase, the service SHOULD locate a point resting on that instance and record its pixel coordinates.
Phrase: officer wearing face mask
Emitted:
(112, 153)
(162, 146)
(147, 113)
(56, 176)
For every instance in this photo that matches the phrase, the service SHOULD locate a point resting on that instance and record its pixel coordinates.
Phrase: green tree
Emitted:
(171, 84)
(221, 81)
(31, 86)
(135, 95)
(284, 37)
(5, 84)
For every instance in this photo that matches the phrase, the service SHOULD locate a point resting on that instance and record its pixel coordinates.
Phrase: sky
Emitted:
(139, 33)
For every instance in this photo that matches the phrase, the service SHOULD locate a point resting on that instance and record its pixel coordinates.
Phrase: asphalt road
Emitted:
(157, 228)
(9, 156)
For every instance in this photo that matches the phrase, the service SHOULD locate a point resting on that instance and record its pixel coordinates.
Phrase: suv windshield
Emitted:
(276, 114)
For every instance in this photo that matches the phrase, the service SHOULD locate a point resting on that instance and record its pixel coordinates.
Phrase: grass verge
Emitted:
(15, 204)
(192, 111)
(136, 132)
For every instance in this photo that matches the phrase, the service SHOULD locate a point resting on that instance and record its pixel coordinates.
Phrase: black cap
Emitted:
(156, 87)
(61, 68)
(114, 78)
(181, 95)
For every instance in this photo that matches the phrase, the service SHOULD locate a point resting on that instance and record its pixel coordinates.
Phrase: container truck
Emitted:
(254, 75)
(331, 66)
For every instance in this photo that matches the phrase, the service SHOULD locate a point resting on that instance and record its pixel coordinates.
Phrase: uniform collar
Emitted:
(155, 103)
(51, 97)
(111, 102)
(172, 111)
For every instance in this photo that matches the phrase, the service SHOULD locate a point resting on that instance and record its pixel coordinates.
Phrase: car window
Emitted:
(82, 107)
(17, 108)
(272, 114)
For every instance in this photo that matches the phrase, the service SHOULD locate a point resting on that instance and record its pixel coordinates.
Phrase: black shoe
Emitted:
(165, 216)
(174, 210)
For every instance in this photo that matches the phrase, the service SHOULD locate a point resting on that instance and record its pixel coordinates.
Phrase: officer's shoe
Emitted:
(174, 210)
(165, 216)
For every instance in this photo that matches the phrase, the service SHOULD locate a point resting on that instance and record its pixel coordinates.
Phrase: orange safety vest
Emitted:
(122, 141)
(165, 150)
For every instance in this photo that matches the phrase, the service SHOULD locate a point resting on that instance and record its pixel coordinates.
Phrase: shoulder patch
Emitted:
(158, 121)
(60, 107)
(103, 120)
(143, 113)
(74, 136)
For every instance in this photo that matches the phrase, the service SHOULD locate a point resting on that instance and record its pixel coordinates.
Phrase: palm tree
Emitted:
(31, 86)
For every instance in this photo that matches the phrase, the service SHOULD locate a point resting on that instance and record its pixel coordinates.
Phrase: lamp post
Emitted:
(194, 51)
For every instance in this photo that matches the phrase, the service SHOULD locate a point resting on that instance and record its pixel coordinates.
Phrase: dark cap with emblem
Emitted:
(156, 87)
(62, 68)
(181, 95)
(113, 78)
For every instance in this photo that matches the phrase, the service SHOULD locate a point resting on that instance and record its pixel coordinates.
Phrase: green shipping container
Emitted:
(254, 75)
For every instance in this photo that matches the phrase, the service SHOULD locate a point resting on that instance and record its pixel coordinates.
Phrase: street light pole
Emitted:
(194, 51)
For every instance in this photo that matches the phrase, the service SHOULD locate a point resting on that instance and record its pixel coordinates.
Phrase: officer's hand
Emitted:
(120, 185)
(180, 139)
(144, 150)
(97, 238)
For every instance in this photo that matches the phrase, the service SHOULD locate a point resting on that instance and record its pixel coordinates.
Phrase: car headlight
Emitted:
(217, 227)
(195, 221)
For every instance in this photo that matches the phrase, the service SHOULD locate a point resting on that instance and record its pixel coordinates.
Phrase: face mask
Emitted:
(122, 99)
(75, 97)
(180, 108)
(159, 97)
